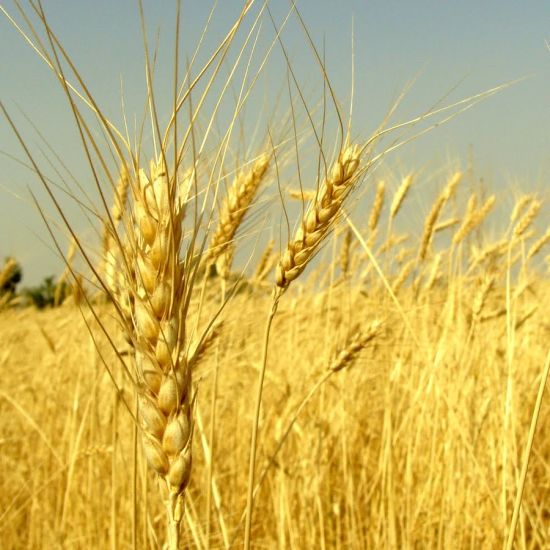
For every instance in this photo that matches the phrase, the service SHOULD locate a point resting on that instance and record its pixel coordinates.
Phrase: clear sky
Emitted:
(464, 46)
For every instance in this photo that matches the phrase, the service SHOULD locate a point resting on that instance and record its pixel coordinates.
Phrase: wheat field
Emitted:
(271, 338)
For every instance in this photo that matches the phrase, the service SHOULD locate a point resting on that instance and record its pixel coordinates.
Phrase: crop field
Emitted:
(265, 331)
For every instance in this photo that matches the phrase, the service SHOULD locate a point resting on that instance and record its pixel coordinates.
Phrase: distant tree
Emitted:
(10, 275)
(44, 294)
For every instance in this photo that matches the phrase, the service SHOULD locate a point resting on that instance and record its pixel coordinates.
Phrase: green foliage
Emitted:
(47, 293)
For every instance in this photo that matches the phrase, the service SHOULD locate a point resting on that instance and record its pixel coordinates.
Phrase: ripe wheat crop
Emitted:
(253, 352)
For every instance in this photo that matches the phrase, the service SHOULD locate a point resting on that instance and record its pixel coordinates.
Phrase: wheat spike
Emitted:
(452, 184)
(356, 342)
(491, 251)
(481, 297)
(121, 195)
(446, 224)
(434, 272)
(403, 275)
(433, 216)
(429, 226)
(345, 252)
(538, 244)
(473, 217)
(157, 286)
(320, 215)
(400, 195)
(521, 203)
(235, 206)
(527, 219)
(266, 262)
(377, 206)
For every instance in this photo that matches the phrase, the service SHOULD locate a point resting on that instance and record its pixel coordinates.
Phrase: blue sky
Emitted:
(466, 44)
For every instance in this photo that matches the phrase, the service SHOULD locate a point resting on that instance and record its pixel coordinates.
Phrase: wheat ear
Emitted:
(345, 252)
(320, 215)
(473, 217)
(527, 219)
(400, 194)
(377, 206)
(265, 263)
(355, 343)
(235, 206)
(433, 216)
(538, 244)
(158, 288)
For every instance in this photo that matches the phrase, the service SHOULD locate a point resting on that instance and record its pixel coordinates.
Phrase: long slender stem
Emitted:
(531, 437)
(256, 420)
(174, 520)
